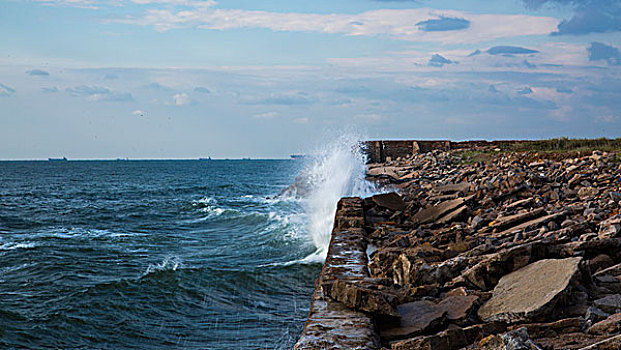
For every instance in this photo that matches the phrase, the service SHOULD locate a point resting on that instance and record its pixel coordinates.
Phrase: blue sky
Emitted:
(238, 78)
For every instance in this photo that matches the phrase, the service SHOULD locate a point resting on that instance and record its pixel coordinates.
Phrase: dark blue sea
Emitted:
(152, 255)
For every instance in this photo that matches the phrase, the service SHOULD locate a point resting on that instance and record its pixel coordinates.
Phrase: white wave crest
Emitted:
(338, 170)
(14, 245)
(170, 263)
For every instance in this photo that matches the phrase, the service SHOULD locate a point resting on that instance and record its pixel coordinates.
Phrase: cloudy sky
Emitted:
(267, 78)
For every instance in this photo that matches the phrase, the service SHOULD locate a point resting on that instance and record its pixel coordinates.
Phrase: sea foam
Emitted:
(337, 170)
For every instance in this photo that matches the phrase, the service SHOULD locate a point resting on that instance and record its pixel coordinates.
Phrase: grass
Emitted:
(558, 146)
(568, 145)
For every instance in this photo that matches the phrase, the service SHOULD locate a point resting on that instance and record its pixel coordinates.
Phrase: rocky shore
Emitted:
(476, 247)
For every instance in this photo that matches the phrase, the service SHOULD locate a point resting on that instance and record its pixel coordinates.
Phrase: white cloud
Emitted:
(398, 24)
(301, 121)
(265, 116)
(181, 99)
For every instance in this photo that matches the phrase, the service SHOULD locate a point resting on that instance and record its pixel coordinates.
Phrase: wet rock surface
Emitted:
(518, 251)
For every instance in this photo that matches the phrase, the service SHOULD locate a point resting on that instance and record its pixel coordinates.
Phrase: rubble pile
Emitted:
(520, 251)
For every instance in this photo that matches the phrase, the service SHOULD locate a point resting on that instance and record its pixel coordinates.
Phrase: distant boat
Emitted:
(63, 159)
(246, 159)
(298, 156)
(208, 158)
(122, 159)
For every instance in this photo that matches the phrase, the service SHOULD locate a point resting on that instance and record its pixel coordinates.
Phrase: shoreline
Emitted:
(486, 245)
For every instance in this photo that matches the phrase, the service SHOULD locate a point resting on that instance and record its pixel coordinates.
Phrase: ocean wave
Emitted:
(170, 263)
(16, 245)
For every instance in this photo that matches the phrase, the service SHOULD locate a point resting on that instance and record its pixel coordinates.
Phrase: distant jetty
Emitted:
(63, 159)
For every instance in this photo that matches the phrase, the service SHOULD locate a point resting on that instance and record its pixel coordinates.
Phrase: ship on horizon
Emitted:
(63, 159)
(298, 156)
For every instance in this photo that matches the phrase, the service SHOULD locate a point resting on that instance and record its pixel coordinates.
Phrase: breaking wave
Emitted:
(337, 170)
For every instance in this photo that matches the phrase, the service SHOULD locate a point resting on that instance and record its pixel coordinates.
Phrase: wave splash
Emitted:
(338, 170)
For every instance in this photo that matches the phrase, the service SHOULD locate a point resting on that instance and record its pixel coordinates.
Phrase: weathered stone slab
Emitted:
(532, 223)
(458, 307)
(610, 325)
(462, 187)
(612, 343)
(530, 292)
(513, 220)
(390, 200)
(450, 339)
(433, 213)
(417, 318)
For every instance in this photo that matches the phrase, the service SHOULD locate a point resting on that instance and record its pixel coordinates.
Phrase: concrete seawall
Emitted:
(382, 150)
(331, 324)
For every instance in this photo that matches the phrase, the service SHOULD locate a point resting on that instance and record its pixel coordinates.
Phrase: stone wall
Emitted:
(332, 324)
(380, 151)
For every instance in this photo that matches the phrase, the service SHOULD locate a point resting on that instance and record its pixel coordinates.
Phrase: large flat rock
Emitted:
(531, 291)
(417, 318)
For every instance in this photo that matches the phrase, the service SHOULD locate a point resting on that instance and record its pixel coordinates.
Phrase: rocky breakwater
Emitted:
(488, 251)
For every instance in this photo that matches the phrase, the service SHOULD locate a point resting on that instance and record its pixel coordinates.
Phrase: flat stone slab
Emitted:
(435, 212)
(417, 318)
(531, 291)
(389, 200)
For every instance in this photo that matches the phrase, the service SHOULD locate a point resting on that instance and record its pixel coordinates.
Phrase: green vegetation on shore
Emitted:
(546, 148)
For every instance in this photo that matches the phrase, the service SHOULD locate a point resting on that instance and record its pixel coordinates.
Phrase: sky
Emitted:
(269, 78)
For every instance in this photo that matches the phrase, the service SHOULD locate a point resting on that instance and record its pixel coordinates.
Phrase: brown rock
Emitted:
(390, 200)
(612, 343)
(433, 213)
(600, 262)
(450, 339)
(462, 187)
(458, 307)
(532, 291)
(362, 296)
(553, 329)
(513, 220)
(610, 325)
(417, 318)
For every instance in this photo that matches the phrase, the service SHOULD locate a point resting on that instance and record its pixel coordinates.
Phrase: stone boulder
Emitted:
(532, 291)
(417, 318)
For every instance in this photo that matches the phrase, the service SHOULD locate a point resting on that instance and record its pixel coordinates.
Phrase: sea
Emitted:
(165, 254)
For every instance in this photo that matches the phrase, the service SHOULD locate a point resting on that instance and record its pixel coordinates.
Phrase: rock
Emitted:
(600, 262)
(614, 270)
(433, 213)
(610, 228)
(553, 329)
(450, 339)
(512, 220)
(532, 291)
(595, 315)
(610, 325)
(610, 304)
(586, 193)
(361, 295)
(462, 187)
(390, 200)
(417, 318)
(521, 203)
(458, 307)
(453, 215)
(612, 343)
(514, 340)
